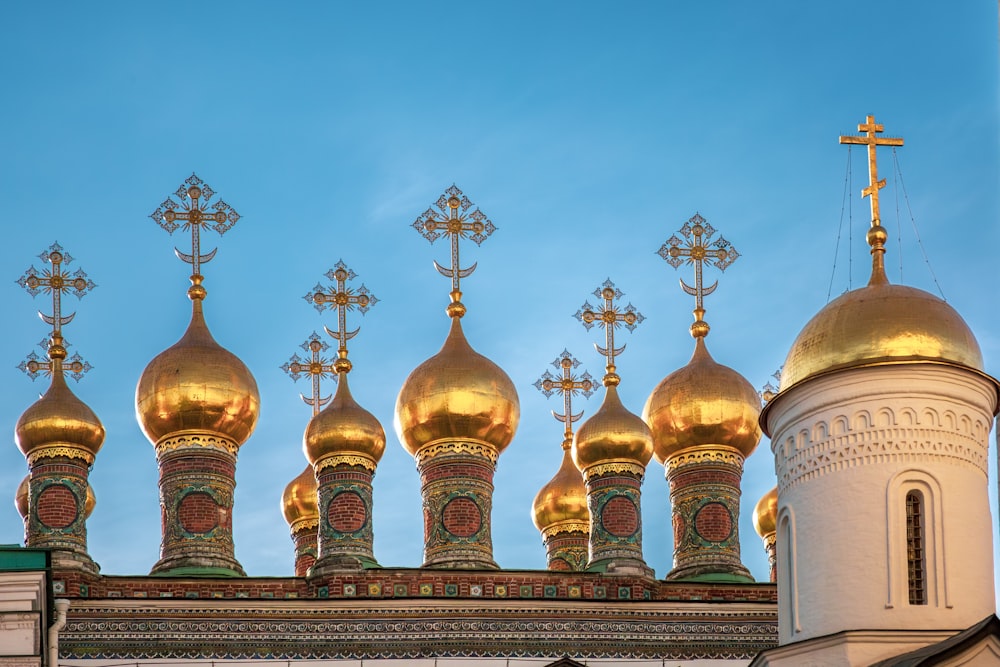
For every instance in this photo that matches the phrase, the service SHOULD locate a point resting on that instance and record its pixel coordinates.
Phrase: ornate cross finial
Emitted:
(33, 366)
(452, 220)
(55, 281)
(609, 317)
(568, 385)
(871, 129)
(769, 390)
(700, 248)
(342, 298)
(317, 367)
(194, 195)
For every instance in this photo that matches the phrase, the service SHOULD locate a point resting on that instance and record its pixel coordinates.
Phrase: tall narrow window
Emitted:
(916, 567)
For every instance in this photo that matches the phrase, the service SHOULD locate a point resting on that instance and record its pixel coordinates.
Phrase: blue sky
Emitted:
(587, 135)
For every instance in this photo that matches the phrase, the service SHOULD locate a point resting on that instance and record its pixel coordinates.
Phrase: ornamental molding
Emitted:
(69, 451)
(197, 440)
(303, 524)
(356, 460)
(614, 468)
(450, 446)
(690, 457)
(566, 527)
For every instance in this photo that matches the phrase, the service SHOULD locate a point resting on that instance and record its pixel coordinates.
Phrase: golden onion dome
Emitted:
(612, 434)
(90, 504)
(765, 514)
(880, 323)
(457, 394)
(197, 385)
(563, 499)
(21, 497)
(59, 419)
(343, 428)
(299, 501)
(703, 403)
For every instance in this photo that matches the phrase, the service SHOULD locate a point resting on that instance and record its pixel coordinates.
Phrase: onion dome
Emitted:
(197, 385)
(60, 421)
(878, 324)
(343, 428)
(563, 499)
(298, 502)
(457, 394)
(21, 497)
(612, 435)
(765, 514)
(703, 403)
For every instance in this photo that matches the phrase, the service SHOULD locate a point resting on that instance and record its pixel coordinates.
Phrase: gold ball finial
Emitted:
(194, 192)
(877, 236)
(700, 329)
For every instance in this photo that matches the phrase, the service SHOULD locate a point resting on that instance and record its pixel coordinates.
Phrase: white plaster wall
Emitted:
(845, 445)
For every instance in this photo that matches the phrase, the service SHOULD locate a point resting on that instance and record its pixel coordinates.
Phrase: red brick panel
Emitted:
(347, 512)
(198, 513)
(620, 517)
(713, 522)
(57, 507)
(461, 517)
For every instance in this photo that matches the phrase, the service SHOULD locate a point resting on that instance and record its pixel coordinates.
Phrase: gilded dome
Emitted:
(563, 499)
(612, 434)
(457, 394)
(197, 385)
(299, 502)
(21, 497)
(343, 428)
(703, 403)
(765, 514)
(880, 323)
(59, 419)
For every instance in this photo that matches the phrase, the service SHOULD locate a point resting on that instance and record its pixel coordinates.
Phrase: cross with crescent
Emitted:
(191, 212)
(342, 298)
(871, 129)
(316, 366)
(453, 220)
(568, 385)
(55, 281)
(699, 249)
(609, 317)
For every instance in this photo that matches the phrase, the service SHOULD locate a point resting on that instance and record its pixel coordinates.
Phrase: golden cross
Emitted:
(342, 298)
(700, 248)
(568, 385)
(55, 281)
(769, 390)
(609, 317)
(871, 128)
(194, 194)
(456, 224)
(316, 366)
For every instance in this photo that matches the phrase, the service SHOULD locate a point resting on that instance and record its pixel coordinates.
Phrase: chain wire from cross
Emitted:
(568, 384)
(316, 366)
(700, 247)
(343, 299)
(55, 281)
(610, 316)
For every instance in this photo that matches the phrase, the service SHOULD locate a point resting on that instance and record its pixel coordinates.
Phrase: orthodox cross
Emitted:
(55, 281)
(568, 385)
(453, 220)
(316, 366)
(699, 249)
(194, 195)
(769, 390)
(610, 317)
(342, 298)
(871, 129)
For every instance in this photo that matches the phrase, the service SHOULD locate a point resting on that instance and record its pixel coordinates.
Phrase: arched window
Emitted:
(916, 561)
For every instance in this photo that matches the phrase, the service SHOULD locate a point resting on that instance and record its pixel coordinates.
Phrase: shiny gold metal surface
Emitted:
(21, 496)
(90, 503)
(870, 139)
(563, 499)
(703, 403)
(609, 315)
(765, 514)
(298, 501)
(343, 427)
(197, 385)
(613, 434)
(880, 323)
(457, 394)
(59, 419)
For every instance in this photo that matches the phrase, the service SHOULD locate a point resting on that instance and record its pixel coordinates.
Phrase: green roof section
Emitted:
(14, 558)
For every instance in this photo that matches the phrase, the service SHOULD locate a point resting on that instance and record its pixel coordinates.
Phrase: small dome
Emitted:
(298, 502)
(343, 427)
(21, 497)
(765, 514)
(880, 323)
(457, 394)
(59, 419)
(703, 403)
(612, 434)
(90, 504)
(563, 499)
(197, 385)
